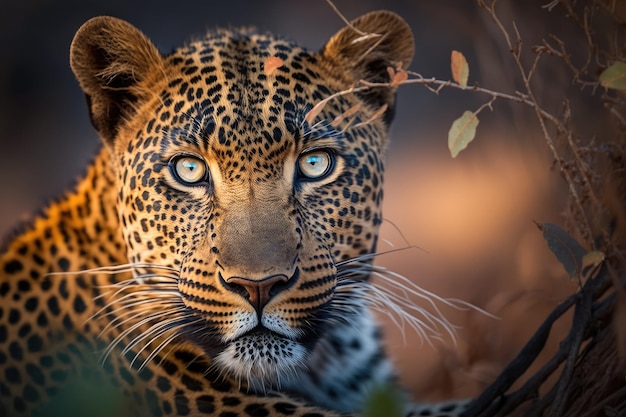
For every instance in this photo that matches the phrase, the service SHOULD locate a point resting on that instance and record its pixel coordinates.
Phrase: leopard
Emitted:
(215, 259)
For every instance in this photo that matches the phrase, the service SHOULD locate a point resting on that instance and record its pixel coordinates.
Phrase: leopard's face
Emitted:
(257, 205)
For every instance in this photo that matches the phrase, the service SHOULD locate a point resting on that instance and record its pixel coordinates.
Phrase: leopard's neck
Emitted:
(79, 231)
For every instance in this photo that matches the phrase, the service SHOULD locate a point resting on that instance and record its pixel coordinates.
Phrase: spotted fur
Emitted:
(214, 259)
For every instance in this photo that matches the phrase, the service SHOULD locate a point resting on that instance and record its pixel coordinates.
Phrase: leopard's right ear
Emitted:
(112, 60)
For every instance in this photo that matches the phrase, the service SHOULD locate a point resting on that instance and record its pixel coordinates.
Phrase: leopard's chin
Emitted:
(261, 358)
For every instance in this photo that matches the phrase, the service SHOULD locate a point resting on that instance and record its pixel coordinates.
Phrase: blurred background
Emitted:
(472, 216)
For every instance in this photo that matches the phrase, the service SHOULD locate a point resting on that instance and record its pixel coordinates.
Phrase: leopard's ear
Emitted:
(111, 59)
(382, 39)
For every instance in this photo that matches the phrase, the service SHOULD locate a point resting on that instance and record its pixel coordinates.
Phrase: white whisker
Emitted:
(393, 296)
(115, 269)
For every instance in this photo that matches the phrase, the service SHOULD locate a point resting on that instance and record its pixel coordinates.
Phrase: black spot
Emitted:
(126, 376)
(182, 405)
(63, 290)
(31, 304)
(146, 374)
(191, 383)
(221, 385)
(152, 400)
(163, 384)
(301, 77)
(15, 350)
(167, 407)
(63, 357)
(64, 264)
(23, 285)
(355, 344)
(35, 374)
(169, 367)
(13, 267)
(34, 343)
(231, 401)
(79, 304)
(12, 375)
(14, 316)
(256, 410)
(46, 361)
(46, 284)
(24, 330)
(205, 404)
(38, 259)
(19, 404)
(42, 319)
(67, 322)
(30, 394)
(53, 306)
(285, 408)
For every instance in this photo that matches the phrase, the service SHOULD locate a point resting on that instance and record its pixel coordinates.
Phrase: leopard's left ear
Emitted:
(383, 39)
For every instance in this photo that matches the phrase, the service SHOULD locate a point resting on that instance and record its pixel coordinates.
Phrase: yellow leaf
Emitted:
(462, 132)
(460, 68)
(590, 263)
(271, 64)
(614, 76)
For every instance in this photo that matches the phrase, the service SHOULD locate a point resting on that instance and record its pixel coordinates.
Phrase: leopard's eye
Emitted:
(315, 165)
(189, 170)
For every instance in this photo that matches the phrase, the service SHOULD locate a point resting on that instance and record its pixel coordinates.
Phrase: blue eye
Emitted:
(189, 169)
(315, 165)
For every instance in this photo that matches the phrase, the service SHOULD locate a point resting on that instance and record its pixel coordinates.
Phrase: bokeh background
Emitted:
(472, 216)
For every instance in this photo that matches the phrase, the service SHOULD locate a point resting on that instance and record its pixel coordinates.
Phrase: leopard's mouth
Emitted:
(262, 357)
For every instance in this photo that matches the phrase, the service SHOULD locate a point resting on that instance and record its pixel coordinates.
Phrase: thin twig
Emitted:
(541, 117)
(347, 22)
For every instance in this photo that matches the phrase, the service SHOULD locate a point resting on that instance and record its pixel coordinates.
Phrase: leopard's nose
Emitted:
(258, 292)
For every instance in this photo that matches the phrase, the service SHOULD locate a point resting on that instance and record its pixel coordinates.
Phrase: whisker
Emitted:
(418, 291)
(394, 299)
(155, 329)
(114, 269)
(120, 319)
(129, 330)
(134, 298)
(156, 350)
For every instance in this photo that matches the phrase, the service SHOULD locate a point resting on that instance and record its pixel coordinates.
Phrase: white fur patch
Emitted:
(261, 359)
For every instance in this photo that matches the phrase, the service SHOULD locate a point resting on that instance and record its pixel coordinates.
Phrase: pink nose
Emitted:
(257, 292)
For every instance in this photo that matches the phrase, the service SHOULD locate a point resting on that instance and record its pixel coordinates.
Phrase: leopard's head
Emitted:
(246, 189)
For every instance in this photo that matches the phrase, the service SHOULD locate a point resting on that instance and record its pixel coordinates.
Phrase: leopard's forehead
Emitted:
(239, 96)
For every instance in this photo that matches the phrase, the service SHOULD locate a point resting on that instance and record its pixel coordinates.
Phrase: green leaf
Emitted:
(566, 249)
(614, 76)
(384, 401)
(462, 132)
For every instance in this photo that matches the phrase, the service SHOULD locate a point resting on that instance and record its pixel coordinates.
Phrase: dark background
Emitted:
(473, 215)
